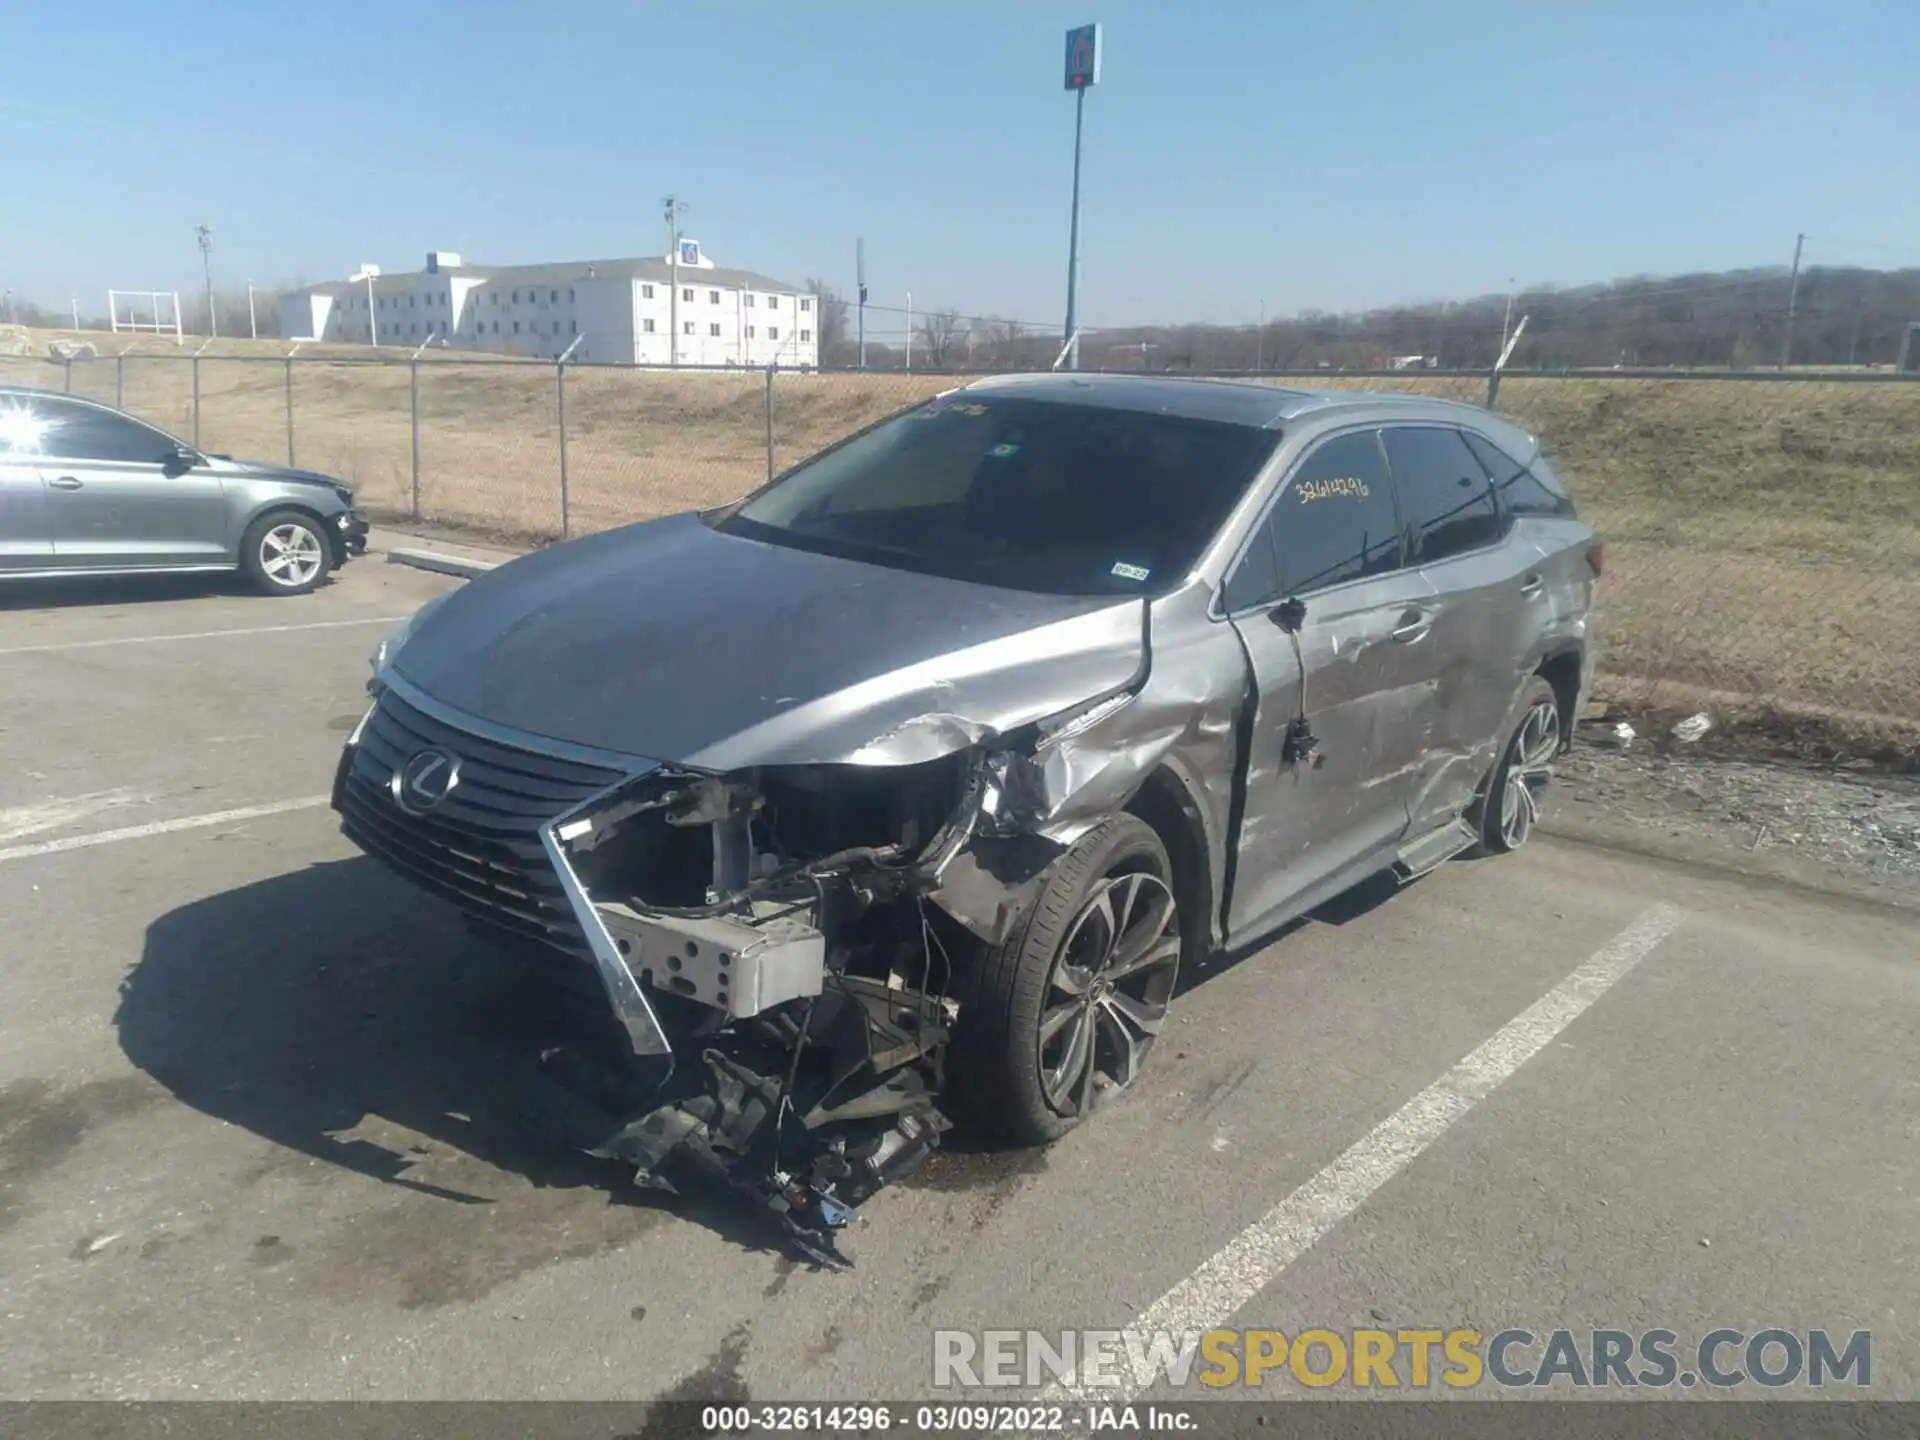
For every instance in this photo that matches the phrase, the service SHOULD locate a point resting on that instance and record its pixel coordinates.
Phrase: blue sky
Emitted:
(1326, 155)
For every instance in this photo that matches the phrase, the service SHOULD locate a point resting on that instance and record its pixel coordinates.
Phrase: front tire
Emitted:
(285, 553)
(1509, 810)
(1061, 1018)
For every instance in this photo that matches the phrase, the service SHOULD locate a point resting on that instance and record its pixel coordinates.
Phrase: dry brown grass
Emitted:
(1763, 538)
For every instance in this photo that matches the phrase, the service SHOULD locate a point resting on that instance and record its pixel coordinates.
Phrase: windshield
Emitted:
(1032, 495)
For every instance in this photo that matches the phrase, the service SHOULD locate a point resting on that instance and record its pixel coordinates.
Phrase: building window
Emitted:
(569, 294)
(713, 297)
(554, 296)
(805, 304)
(806, 335)
(573, 327)
(516, 297)
(496, 327)
(773, 302)
(773, 332)
(646, 326)
(749, 301)
(686, 293)
(516, 327)
(749, 332)
(646, 292)
(686, 327)
(714, 329)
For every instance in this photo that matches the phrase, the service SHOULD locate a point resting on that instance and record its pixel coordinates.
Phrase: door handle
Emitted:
(1530, 586)
(65, 482)
(1413, 625)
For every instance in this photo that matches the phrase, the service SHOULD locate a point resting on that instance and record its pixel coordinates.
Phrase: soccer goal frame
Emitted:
(124, 310)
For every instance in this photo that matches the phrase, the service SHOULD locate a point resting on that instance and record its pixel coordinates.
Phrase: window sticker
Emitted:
(1130, 572)
(1351, 486)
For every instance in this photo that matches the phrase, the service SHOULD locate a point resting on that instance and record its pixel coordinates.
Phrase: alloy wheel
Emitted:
(1108, 992)
(290, 554)
(1529, 769)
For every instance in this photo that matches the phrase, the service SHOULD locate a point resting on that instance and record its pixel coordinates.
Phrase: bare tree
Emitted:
(1005, 345)
(940, 336)
(836, 351)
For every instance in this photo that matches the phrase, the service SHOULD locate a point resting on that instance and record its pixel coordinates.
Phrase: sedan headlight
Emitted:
(384, 652)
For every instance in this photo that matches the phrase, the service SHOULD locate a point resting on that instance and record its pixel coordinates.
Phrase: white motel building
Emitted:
(620, 312)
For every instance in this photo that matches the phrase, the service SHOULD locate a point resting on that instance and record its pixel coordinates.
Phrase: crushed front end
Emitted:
(784, 985)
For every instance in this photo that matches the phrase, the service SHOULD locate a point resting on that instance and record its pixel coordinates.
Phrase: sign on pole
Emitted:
(1083, 57)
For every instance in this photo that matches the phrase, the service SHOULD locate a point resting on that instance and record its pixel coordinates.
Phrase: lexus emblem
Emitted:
(425, 780)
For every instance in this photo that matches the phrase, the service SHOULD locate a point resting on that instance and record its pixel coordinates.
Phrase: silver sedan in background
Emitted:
(86, 489)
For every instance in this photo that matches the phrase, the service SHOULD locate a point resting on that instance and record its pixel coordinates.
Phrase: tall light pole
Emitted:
(1793, 295)
(366, 273)
(204, 236)
(674, 208)
(1506, 321)
(1083, 73)
(253, 324)
(860, 279)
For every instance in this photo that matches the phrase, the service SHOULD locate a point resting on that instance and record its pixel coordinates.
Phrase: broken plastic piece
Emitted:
(1693, 727)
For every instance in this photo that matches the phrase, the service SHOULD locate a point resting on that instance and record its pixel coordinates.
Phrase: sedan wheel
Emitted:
(290, 554)
(285, 553)
(1107, 996)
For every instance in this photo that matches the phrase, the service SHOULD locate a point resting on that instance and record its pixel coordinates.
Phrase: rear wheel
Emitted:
(1061, 1018)
(1509, 809)
(285, 553)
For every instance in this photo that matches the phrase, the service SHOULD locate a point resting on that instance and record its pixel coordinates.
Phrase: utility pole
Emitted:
(1793, 295)
(76, 312)
(860, 279)
(675, 208)
(253, 324)
(1083, 73)
(1506, 321)
(204, 236)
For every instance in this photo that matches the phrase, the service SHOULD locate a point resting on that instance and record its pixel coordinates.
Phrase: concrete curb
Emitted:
(463, 566)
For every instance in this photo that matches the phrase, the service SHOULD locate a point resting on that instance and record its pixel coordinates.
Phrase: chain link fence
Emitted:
(1763, 534)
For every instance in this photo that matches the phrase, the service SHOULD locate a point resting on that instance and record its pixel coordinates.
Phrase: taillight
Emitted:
(1597, 557)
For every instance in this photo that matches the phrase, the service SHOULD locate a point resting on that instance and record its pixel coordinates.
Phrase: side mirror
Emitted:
(179, 460)
(1290, 614)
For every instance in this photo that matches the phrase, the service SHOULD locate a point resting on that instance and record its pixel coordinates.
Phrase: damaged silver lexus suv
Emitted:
(905, 786)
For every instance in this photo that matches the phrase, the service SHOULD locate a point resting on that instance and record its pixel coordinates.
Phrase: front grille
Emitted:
(480, 847)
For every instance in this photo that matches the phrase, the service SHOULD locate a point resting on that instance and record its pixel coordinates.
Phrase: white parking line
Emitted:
(18, 820)
(1258, 1255)
(159, 827)
(199, 635)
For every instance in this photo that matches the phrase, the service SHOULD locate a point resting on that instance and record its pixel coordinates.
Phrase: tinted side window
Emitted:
(1521, 491)
(80, 432)
(1333, 522)
(1443, 491)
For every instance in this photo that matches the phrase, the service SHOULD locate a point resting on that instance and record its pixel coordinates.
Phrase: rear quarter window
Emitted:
(1534, 489)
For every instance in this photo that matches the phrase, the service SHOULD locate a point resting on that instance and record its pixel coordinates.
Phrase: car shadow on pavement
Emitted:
(335, 1011)
(1343, 909)
(77, 593)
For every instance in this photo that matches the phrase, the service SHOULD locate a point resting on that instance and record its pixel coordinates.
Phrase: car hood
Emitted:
(271, 470)
(670, 641)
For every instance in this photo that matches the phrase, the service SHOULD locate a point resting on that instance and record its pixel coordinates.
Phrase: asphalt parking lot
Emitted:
(256, 1139)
